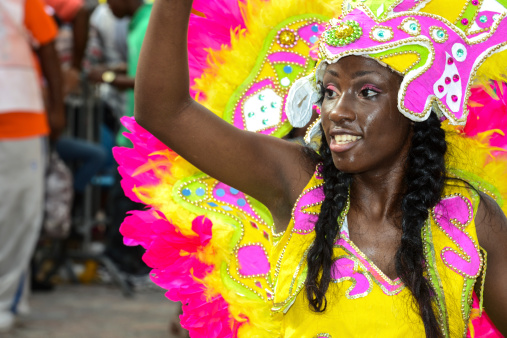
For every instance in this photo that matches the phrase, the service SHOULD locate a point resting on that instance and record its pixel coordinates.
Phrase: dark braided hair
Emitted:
(424, 182)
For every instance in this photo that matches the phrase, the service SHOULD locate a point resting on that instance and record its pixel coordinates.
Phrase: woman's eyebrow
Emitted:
(363, 73)
(332, 72)
(355, 75)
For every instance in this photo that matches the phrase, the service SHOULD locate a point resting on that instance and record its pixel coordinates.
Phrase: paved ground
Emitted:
(98, 311)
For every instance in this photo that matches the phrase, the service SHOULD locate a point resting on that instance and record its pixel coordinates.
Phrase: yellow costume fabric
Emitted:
(362, 301)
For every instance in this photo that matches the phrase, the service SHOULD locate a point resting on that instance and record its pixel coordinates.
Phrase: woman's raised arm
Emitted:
(269, 169)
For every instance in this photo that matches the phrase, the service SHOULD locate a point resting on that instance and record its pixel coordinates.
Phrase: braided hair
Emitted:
(423, 184)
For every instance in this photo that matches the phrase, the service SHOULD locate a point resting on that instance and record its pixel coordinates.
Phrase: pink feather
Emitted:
(172, 255)
(488, 110)
(213, 31)
(481, 325)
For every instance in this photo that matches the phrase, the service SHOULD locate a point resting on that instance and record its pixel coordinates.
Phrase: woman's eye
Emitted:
(369, 92)
(330, 92)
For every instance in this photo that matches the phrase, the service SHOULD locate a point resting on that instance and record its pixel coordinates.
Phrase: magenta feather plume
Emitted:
(488, 110)
(210, 31)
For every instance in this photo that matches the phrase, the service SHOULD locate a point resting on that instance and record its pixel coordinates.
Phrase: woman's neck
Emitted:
(378, 196)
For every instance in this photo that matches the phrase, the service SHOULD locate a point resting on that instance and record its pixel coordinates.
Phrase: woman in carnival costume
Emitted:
(387, 230)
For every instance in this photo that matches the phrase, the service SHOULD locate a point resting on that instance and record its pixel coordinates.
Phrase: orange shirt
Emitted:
(19, 124)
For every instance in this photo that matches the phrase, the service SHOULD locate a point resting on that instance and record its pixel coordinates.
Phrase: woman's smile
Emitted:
(343, 141)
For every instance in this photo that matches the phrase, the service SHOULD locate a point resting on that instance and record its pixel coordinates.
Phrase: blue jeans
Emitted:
(90, 157)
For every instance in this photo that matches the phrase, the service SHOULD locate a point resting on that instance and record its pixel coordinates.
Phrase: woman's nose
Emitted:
(343, 108)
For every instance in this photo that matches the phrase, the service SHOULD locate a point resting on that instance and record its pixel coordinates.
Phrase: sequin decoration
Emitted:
(287, 38)
(283, 60)
(344, 33)
(266, 111)
(410, 26)
(459, 52)
(381, 33)
(452, 88)
(205, 195)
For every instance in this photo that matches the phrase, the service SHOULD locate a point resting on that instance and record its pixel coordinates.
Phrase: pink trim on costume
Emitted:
(305, 222)
(459, 210)
(343, 268)
(389, 285)
(252, 260)
(282, 57)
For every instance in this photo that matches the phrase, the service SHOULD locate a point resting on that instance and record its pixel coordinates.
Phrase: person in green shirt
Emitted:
(139, 12)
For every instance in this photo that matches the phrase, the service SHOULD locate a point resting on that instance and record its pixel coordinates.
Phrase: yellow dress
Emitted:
(362, 301)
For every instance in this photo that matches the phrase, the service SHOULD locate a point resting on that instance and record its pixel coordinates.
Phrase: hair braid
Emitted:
(424, 180)
(320, 256)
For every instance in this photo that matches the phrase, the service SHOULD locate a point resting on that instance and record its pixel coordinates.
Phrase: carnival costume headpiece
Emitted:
(437, 49)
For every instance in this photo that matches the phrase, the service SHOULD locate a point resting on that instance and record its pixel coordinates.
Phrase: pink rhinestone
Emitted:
(475, 2)
(455, 78)
(464, 21)
(454, 98)
(441, 88)
(450, 61)
(447, 80)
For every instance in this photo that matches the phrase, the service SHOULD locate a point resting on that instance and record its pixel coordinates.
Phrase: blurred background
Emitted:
(74, 277)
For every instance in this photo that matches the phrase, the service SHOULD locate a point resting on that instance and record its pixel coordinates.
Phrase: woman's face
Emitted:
(362, 124)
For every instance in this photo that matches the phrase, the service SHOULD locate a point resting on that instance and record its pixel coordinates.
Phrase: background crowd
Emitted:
(67, 73)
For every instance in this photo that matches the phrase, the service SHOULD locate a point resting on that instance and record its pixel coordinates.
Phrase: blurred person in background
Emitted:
(77, 14)
(85, 156)
(24, 27)
(110, 73)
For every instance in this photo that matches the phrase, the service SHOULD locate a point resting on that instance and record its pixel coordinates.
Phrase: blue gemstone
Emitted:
(241, 202)
(186, 192)
(315, 28)
(287, 69)
(211, 204)
(313, 39)
(226, 208)
(200, 192)
(233, 191)
(220, 192)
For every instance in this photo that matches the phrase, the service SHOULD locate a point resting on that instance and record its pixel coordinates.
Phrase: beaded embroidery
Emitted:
(417, 44)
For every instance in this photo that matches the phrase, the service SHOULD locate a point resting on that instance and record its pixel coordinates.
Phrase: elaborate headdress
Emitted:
(436, 46)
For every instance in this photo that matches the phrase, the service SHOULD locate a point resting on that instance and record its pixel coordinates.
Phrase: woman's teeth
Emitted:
(342, 139)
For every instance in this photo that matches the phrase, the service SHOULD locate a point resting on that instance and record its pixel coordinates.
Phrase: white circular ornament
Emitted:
(459, 52)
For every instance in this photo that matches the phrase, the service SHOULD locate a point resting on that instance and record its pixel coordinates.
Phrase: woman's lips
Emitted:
(343, 142)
